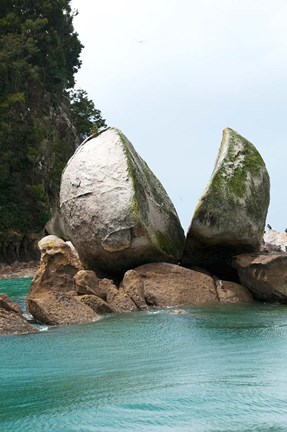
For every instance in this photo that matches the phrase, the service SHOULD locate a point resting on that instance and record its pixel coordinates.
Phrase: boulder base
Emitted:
(171, 285)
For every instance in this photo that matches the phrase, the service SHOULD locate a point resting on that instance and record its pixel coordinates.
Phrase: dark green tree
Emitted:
(39, 56)
(86, 118)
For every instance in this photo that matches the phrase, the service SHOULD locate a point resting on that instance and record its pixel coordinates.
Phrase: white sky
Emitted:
(171, 74)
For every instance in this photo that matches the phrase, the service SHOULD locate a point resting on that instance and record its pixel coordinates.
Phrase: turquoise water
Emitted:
(210, 369)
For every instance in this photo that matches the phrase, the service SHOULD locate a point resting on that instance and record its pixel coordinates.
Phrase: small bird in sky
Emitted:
(269, 226)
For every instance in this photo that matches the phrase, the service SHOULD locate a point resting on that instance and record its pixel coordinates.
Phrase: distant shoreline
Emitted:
(18, 270)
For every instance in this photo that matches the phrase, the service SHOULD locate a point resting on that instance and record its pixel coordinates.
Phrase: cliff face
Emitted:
(30, 189)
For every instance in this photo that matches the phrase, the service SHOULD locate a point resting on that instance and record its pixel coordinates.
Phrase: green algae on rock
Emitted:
(230, 216)
(115, 211)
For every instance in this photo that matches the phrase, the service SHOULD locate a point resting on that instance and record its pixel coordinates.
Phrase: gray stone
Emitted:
(230, 216)
(115, 211)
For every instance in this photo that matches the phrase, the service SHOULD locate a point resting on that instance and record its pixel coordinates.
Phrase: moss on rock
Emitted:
(230, 216)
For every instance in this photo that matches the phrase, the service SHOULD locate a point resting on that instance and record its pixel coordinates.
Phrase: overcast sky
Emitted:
(172, 74)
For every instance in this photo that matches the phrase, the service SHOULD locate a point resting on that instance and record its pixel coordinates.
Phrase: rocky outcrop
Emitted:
(265, 275)
(51, 296)
(133, 285)
(87, 283)
(230, 216)
(56, 308)
(232, 292)
(115, 211)
(171, 285)
(96, 303)
(11, 318)
(275, 241)
(18, 270)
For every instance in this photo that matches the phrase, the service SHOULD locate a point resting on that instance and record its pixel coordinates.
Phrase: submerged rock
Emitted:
(115, 211)
(230, 216)
(11, 318)
(265, 275)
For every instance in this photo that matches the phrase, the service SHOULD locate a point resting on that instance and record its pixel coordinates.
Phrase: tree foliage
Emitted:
(86, 118)
(39, 56)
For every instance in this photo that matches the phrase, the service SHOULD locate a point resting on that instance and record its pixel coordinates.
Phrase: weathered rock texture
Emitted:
(51, 296)
(133, 285)
(232, 292)
(115, 210)
(265, 275)
(275, 241)
(230, 216)
(56, 308)
(11, 319)
(171, 285)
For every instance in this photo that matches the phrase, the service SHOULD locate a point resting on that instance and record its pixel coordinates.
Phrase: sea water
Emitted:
(221, 368)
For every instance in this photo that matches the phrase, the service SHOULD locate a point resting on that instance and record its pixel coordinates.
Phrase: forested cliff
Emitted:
(42, 116)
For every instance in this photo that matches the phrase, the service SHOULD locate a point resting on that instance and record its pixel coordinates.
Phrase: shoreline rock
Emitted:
(18, 269)
(265, 275)
(12, 321)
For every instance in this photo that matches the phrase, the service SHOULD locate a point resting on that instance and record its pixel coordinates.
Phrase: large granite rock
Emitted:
(11, 319)
(230, 216)
(52, 291)
(55, 226)
(265, 275)
(115, 211)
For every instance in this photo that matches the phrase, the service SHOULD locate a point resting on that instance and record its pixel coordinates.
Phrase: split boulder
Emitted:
(115, 211)
(230, 216)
